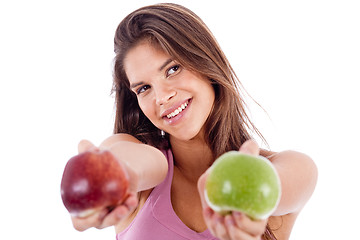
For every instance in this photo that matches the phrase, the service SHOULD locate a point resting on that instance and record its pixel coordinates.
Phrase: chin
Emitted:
(187, 136)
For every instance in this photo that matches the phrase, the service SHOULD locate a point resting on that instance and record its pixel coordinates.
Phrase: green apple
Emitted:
(245, 183)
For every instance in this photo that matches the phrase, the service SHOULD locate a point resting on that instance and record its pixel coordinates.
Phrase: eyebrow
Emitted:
(165, 64)
(134, 85)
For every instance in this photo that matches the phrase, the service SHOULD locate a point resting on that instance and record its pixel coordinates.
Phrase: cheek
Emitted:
(208, 91)
(146, 108)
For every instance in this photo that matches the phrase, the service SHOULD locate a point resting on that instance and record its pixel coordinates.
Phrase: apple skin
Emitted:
(245, 183)
(93, 180)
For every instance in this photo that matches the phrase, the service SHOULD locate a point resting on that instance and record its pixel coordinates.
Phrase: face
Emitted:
(173, 98)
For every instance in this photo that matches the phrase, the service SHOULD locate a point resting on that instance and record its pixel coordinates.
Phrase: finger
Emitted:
(94, 220)
(253, 227)
(250, 147)
(201, 188)
(215, 224)
(235, 232)
(115, 216)
(220, 227)
(85, 145)
(120, 212)
(131, 201)
(208, 213)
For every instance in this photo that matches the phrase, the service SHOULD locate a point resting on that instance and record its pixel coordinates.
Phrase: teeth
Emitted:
(177, 111)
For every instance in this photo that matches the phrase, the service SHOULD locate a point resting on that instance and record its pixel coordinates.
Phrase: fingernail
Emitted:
(207, 212)
(102, 214)
(230, 221)
(219, 220)
(237, 214)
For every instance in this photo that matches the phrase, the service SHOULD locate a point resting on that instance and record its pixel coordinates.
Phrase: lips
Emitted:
(174, 111)
(177, 111)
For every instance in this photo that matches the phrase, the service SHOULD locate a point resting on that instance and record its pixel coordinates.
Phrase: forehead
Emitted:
(143, 59)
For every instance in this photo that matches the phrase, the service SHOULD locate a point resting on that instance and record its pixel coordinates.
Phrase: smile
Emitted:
(177, 111)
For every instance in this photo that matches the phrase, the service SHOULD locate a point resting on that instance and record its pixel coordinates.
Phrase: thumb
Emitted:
(250, 147)
(201, 187)
(85, 145)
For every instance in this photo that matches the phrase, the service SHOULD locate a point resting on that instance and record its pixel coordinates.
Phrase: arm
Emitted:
(298, 175)
(146, 167)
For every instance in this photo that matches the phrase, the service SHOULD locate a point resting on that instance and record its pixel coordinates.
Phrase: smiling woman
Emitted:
(166, 29)
(171, 76)
(167, 89)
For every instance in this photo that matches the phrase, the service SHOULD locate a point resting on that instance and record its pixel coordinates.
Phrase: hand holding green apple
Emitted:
(245, 183)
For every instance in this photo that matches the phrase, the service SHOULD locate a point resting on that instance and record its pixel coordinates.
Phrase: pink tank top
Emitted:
(157, 219)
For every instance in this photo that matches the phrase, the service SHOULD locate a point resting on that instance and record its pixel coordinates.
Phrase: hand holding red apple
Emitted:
(95, 188)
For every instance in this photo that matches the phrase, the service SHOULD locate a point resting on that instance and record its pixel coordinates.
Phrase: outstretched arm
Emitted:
(298, 176)
(146, 167)
(145, 163)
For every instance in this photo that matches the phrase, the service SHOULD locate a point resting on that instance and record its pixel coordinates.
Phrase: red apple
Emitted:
(92, 181)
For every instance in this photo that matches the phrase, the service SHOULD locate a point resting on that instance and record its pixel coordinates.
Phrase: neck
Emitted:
(192, 157)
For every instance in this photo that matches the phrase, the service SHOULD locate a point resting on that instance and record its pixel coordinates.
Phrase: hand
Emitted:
(235, 225)
(105, 217)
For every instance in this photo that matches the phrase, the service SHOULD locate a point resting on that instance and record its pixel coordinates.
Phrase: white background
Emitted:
(300, 60)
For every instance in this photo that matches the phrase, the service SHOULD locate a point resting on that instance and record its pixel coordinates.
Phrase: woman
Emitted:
(178, 108)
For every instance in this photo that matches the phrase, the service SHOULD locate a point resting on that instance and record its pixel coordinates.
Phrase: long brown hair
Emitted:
(184, 36)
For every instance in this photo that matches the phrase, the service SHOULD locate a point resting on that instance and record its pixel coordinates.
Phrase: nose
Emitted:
(164, 94)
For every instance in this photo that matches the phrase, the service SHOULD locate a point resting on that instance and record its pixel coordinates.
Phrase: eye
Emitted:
(142, 89)
(172, 70)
